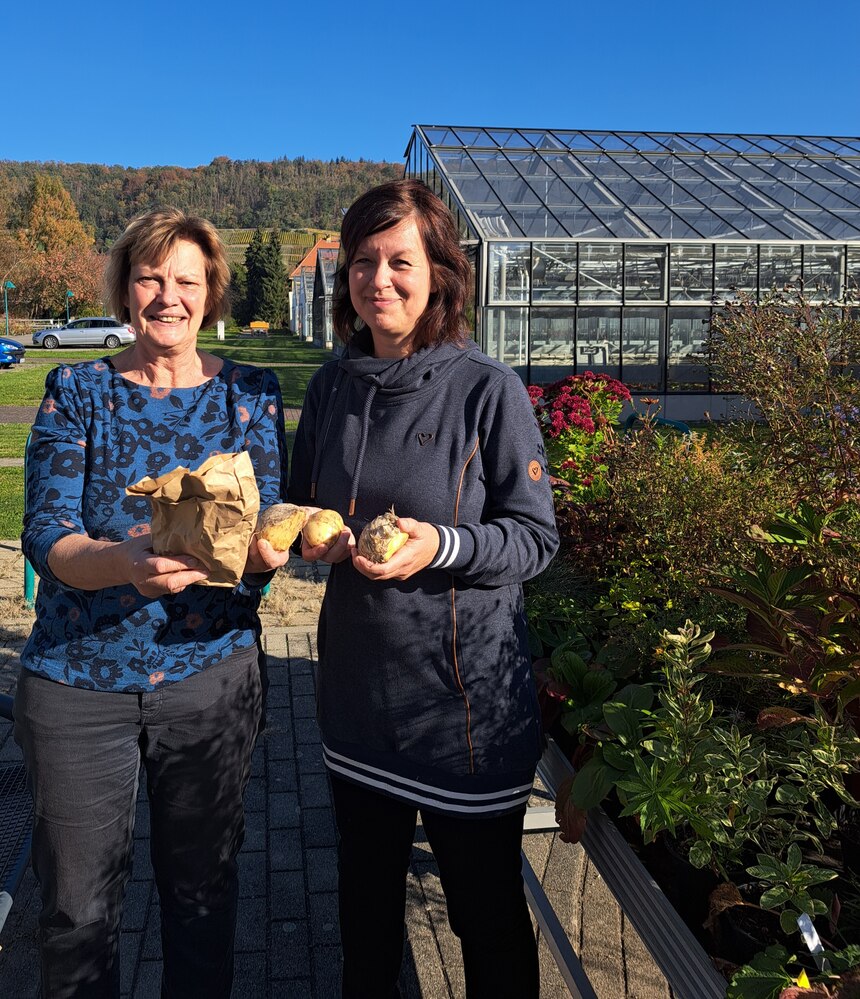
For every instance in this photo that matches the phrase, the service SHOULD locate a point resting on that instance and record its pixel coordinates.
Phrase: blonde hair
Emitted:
(150, 238)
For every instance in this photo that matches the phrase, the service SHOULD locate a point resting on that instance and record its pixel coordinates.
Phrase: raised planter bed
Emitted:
(678, 954)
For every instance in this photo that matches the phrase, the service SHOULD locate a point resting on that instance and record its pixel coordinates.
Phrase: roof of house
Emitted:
(310, 258)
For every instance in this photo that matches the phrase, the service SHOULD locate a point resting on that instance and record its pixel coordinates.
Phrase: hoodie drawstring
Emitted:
(327, 418)
(362, 447)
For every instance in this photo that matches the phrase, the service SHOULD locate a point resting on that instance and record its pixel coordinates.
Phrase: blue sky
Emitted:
(181, 83)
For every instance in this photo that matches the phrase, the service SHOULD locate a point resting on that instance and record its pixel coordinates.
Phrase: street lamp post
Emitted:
(69, 294)
(7, 287)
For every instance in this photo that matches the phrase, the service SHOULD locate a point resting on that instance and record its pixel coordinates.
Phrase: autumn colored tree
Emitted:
(53, 223)
(50, 275)
(57, 254)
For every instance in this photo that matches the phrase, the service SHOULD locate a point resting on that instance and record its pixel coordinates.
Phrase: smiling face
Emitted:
(390, 283)
(167, 301)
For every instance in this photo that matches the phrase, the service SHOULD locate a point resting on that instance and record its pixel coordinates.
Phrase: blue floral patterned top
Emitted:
(95, 434)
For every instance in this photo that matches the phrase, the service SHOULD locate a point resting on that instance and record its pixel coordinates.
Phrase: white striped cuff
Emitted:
(449, 548)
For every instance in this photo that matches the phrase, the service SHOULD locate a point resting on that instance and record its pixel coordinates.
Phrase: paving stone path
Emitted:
(288, 941)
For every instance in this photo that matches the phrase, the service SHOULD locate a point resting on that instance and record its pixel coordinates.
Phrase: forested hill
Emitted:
(291, 194)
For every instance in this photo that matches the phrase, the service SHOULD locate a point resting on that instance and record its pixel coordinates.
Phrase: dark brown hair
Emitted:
(150, 238)
(386, 206)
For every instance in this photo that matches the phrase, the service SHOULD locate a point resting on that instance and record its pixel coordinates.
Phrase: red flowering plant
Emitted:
(576, 416)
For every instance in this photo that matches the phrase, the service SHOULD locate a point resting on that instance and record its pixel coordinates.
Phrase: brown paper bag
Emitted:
(210, 514)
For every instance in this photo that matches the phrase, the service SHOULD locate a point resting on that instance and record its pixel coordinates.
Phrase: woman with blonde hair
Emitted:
(130, 662)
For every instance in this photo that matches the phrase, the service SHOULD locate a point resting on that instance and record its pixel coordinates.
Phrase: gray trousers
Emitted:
(83, 750)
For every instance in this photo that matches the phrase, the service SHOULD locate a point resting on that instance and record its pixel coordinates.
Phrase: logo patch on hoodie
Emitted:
(424, 437)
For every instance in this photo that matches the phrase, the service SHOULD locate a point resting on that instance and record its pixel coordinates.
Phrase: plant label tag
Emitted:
(812, 941)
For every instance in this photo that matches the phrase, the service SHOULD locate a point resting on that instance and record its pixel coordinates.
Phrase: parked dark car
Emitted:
(11, 352)
(90, 331)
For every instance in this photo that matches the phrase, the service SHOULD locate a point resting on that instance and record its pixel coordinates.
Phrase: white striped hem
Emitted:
(449, 801)
(449, 548)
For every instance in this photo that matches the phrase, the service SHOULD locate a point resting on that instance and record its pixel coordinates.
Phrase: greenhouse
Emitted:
(326, 265)
(302, 280)
(610, 251)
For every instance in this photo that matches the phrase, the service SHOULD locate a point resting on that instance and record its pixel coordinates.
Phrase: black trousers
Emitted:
(481, 873)
(83, 750)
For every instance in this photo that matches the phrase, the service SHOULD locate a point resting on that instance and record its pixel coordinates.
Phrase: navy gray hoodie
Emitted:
(424, 686)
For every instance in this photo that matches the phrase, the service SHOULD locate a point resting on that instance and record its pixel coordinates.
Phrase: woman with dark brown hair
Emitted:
(424, 688)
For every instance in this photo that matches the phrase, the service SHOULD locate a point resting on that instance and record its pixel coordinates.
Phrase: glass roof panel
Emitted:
(573, 191)
(531, 164)
(505, 180)
(738, 143)
(494, 163)
(667, 225)
(831, 191)
(719, 188)
(710, 226)
(845, 169)
(607, 140)
(580, 140)
(514, 191)
(565, 164)
(621, 222)
(581, 223)
(834, 146)
(679, 143)
(759, 143)
(496, 221)
(787, 224)
(844, 227)
(456, 164)
(702, 186)
(625, 188)
(808, 146)
(472, 137)
(657, 176)
(792, 145)
(441, 137)
(788, 189)
(517, 141)
(704, 142)
(537, 222)
(641, 141)
(540, 139)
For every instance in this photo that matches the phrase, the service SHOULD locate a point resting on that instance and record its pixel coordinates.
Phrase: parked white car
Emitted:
(91, 331)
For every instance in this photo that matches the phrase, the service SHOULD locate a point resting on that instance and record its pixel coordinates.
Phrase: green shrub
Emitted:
(796, 362)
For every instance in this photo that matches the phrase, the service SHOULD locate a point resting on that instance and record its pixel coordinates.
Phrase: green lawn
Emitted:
(23, 385)
(278, 349)
(12, 439)
(268, 351)
(67, 355)
(293, 382)
(11, 502)
(293, 362)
